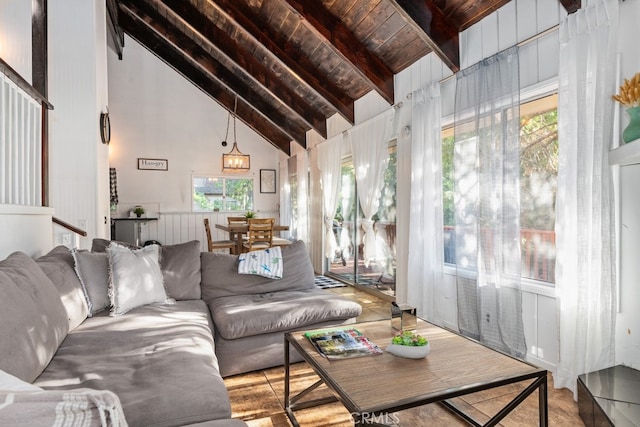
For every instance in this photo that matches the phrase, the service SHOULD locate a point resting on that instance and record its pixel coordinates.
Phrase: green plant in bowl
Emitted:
(250, 214)
(409, 338)
(138, 210)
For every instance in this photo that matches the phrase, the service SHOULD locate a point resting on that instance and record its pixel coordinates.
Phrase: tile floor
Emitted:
(257, 397)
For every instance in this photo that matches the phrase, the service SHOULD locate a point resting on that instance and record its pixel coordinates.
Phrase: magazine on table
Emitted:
(342, 343)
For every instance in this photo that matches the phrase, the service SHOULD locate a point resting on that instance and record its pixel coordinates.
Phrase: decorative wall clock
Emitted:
(105, 127)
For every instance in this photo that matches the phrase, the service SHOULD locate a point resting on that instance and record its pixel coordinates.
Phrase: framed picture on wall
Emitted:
(267, 180)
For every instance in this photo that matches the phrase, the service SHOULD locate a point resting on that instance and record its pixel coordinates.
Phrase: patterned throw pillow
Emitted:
(266, 263)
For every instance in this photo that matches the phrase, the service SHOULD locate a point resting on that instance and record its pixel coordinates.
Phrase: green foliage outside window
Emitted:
(222, 194)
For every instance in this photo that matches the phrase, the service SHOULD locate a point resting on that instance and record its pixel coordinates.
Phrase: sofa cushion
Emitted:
(81, 407)
(180, 265)
(59, 267)
(159, 360)
(100, 245)
(246, 315)
(135, 278)
(220, 276)
(93, 272)
(34, 322)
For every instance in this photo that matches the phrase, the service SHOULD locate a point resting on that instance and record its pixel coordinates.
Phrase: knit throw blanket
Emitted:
(72, 408)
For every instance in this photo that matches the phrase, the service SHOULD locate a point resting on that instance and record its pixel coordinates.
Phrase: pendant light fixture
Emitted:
(234, 160)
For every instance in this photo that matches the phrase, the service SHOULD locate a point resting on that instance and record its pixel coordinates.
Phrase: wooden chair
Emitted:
(259, 235)
(279, 241)
(213, 245)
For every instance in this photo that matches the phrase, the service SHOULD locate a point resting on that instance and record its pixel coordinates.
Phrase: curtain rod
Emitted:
(519, 44)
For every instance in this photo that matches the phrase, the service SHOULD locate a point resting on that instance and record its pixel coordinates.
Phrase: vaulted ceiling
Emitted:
(291, 64)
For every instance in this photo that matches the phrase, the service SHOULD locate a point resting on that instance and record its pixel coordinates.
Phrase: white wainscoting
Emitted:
(539, 316)
(180, 227)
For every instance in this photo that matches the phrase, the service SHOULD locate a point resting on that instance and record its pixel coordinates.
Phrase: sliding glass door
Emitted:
(348, 263)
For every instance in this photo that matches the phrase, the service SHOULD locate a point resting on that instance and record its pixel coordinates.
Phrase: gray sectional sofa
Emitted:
(160, 361)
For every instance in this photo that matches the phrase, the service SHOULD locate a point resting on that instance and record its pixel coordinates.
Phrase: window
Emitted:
(212, 193)
(538, 182)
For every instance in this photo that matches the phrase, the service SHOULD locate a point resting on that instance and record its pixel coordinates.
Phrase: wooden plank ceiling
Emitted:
(291, 64)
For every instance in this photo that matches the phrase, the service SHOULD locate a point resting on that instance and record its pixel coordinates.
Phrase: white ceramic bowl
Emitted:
(409, 351)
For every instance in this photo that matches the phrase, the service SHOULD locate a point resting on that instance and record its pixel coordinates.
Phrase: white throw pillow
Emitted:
(92, 269)
(9, 382)
(136, 278)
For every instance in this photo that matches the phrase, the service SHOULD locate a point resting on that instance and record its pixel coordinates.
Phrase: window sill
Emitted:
(528, 285)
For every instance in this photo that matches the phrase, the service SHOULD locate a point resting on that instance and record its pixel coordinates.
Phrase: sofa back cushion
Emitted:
(220, 276)
(58, 265)
(179, 263)
(33, 319)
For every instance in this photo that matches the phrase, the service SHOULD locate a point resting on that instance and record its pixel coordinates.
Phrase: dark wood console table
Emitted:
(610, 397)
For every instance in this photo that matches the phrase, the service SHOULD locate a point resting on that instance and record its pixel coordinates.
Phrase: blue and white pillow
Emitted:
(266, 263)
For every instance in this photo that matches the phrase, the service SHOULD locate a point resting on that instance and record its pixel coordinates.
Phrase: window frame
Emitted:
(538, 91)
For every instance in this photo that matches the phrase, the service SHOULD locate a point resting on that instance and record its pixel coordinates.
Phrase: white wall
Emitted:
(26, 229)
(157, 113)
(79, 185)
(15, 36)
(628, 320)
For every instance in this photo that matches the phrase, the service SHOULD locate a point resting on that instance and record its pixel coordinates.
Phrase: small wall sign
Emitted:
(153, 164)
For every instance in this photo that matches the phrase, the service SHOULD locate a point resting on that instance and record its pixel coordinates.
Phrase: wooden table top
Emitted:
(243, 228)
(455, 366)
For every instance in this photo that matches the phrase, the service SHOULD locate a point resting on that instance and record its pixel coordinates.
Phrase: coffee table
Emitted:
(373, 387)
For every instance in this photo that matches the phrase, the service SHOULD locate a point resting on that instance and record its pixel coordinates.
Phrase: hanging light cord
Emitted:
(226, 134)
(235, 107)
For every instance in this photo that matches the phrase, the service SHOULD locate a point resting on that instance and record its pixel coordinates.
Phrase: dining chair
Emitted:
(213, 245)
(236, 220)
(280, 241)
(259, 235)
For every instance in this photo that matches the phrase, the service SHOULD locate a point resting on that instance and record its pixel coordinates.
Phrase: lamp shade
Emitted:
(234, 160)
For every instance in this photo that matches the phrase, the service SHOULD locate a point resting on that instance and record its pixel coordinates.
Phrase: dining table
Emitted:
(237, 231)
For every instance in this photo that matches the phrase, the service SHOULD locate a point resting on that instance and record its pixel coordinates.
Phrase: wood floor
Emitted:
(257, 397)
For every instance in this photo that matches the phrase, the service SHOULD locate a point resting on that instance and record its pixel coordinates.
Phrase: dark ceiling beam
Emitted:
(571, 5)
(244, 59)
(185, 46)
(114, 29)
(193, 72)
(434, 28)
(288, 54)
(369, 66)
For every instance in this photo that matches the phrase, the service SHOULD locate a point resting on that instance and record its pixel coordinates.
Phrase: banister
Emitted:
(23, 84)
(69, 226)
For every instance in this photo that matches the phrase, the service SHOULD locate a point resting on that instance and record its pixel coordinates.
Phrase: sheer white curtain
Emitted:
(585, 233)
(330, 165)
(370, 151)
(426, 256)
(487, 202)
